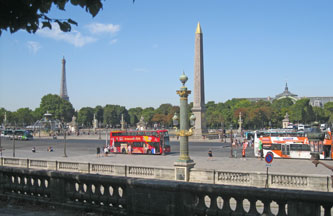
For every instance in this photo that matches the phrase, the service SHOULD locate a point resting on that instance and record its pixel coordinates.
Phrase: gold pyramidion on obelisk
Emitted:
(198, 31)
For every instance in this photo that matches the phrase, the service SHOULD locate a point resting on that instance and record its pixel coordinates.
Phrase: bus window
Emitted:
(138, 144)
(296, 147)
(276, 146)
(305, 147)
(117, 144)
(166, 141)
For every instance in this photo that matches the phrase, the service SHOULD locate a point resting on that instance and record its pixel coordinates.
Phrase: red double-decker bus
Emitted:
(140, 142)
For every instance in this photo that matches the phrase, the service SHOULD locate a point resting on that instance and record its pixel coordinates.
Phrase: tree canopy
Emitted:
(58, 107)
(255, 115)
(30, 15)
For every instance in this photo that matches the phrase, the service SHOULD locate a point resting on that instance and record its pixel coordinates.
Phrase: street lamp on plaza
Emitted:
(231, 140)
(65, 144)
(13, 143)
(184, 163)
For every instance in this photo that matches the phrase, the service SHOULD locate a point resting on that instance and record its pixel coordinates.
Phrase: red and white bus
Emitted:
(290, 144)
(140, 142)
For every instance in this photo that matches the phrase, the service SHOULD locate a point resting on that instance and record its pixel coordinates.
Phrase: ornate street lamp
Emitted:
(231, 140)
(184, 163)
(13, 143)
(65, 144)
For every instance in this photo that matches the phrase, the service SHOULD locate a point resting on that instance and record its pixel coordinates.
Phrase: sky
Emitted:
(132, 54)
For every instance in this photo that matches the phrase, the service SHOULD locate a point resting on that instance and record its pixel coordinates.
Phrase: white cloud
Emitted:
(97, 28)
(113, 41)
(33, 46)
(74, 37)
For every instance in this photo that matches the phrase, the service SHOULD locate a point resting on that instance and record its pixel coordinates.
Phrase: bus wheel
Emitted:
(123, 151)
(148, 152)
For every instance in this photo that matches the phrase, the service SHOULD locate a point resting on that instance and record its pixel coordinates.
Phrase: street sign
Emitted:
(269, 157)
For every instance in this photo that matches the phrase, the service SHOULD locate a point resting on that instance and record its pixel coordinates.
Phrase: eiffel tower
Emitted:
(63, 86)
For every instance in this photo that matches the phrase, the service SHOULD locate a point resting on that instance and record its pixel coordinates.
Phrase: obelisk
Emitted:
(63, 86)
(199, 86)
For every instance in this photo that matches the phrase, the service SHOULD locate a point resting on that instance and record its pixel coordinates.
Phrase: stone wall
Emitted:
(253, 179)
(116, 195)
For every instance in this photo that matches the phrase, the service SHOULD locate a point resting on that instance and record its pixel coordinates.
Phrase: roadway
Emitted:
(83, 149)
(88, 145)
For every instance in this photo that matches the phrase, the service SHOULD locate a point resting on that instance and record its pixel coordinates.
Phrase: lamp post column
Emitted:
(14, 143)
(184, 163)
(65, 142)
(184, 126)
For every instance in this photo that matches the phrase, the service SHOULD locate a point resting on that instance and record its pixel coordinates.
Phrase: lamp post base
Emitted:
(182, 169)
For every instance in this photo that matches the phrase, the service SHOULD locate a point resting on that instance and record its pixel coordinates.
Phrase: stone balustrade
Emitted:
(117, 195)
(253, 179)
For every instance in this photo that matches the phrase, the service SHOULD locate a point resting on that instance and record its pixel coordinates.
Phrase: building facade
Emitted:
(314, 101)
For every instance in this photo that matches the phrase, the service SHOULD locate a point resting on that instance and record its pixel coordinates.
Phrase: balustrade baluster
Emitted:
(70, 190)
(267, 207)
(213, 209)
(80, 192)
(19, 184)
(88, 193)
(239, 211)
(253, 209)
(226, 210)
(327, 209)
(200, 208)
(282, 208)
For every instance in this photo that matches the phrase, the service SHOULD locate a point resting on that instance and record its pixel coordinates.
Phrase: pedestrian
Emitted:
(244, 148)
(261, 152)
(129, 149)
(316, 162)
(234, 148)
(105, 151)
(98, 151)
(210, 154)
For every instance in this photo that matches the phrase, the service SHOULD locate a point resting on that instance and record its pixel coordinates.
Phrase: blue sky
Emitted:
(133, 54)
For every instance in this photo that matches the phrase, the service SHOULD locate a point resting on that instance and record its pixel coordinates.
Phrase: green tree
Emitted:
(148, 114)
(58, 107)
(159, 118)
(282, 103)
(211, 114)
(135, 115)
(37, 114)
(30, 15)
(302, 112)
(99, 111)
(164, 109)
(2, 115)
(24, 117)
(328, 108)
(112, 115)
(85, 116)
(320, 115)
(280, 108)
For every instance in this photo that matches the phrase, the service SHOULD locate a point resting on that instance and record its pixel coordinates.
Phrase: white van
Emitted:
(323, 127)
(300, 127)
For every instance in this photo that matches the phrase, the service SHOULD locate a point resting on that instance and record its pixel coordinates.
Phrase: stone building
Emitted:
(314, 101)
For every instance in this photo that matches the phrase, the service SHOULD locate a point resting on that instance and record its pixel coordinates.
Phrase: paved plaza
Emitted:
(221, 160)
